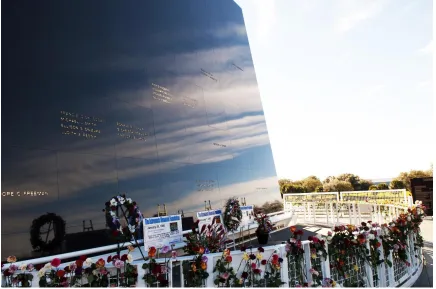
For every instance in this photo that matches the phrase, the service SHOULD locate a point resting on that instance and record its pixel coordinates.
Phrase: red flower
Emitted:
(263, 262)
(79, 263)
(83, 258)
(244, 275)
(256, 271)
(229, 259)
(109, 259)
(56, 262)
(377, 245)
(124, 257)
(115, 233)
(260, 249)
(60, 273)
(253, 266)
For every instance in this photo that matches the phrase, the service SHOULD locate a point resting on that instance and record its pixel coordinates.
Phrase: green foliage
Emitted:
(382, 186)
(373, 188)
(336, 185)
(311, 183)
(397, 184)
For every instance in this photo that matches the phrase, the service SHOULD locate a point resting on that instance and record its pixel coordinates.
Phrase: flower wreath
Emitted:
(232, 214)
(129, 210)
(35, 231)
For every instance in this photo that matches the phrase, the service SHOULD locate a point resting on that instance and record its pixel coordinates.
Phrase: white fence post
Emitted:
(210, 265)
(349, 213)
(326, 213)
(325, 264)
(391, 270)
(141, 272)
(381, 270)
(285, 269)
(307, 262)
(368, 269)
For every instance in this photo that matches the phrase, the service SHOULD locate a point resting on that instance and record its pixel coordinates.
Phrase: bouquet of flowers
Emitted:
(211, 238)
(264, 223)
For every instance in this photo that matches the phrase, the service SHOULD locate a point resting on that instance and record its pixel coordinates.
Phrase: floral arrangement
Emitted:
(396, 233)
(157, 275)
(232, 214)
(24, 278)
(96, 274)
(252, 264)
(211, 237)
(130, 212)
(226, 274)
(295, 257)
(195, 271)
(264, 223)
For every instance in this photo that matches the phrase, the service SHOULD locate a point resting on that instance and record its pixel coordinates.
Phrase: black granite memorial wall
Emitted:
(157, 99)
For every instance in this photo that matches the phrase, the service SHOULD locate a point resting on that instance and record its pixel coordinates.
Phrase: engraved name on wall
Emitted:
(80, 125)
(162, 93)
(131, 132)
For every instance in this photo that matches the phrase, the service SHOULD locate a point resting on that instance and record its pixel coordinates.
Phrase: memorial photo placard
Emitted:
(247, 215)
(206, 218)
(162, 231)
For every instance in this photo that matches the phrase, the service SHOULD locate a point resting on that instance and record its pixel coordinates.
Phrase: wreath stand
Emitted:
(119, 206)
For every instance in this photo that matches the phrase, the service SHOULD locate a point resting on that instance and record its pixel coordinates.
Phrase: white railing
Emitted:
(327, 214)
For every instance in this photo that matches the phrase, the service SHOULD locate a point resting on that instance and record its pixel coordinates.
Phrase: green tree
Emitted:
(382, 186)
(336, 185)
(365, 184)
(352, 179)
(319, 189)
(311, 183)
(396, 185)
(373, 188)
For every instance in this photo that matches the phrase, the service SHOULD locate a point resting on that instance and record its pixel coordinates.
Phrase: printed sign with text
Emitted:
(162, 231)
(206, 218)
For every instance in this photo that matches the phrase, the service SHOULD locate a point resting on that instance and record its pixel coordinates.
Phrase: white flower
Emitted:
(48, 266)
(112, 213)
(319, 253)
(132, 228)
(41, 272)
(23, 267)
(129, 258)
(121, 200)
(88, 262)
(94, 272)
(113, 202)
(409, 218)
(129, 200)
(371, 236)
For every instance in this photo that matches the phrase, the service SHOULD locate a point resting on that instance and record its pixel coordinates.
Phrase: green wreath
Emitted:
(35, 232)
(232, 214)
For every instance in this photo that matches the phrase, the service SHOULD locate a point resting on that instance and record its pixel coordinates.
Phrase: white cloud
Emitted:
(351, 13)
(428, 49)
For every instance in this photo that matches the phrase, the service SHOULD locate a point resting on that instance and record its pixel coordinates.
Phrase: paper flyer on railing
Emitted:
(206, 218)
(247, 215)
(162, 231)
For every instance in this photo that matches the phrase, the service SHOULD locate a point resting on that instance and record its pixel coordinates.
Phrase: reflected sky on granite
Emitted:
(177, 76)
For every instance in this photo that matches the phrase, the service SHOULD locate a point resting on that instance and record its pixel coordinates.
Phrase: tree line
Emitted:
(349, 182)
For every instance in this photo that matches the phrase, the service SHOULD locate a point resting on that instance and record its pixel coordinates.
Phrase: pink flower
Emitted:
(225, 276)
(174, 254)
(165, 249)
(253, 265)
(118, 264)
(329, 233)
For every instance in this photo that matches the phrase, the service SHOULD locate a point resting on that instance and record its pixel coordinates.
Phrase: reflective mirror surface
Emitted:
(156, 99)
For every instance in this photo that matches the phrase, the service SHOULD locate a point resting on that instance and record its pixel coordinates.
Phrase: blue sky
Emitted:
(346, 85)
